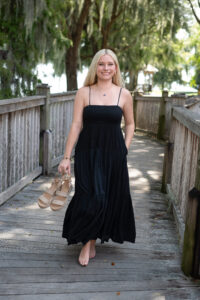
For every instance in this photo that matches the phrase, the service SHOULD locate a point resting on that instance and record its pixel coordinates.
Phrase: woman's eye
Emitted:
(101, 64)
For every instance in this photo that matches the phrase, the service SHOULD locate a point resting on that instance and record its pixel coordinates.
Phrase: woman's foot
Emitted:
(85, 254)
(92, 249)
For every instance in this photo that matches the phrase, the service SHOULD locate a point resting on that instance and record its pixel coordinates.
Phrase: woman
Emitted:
(101, 206)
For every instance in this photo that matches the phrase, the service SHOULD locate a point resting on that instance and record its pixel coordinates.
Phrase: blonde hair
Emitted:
(91, 77)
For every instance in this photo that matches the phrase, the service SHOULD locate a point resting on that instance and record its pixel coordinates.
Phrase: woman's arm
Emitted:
(128, 117)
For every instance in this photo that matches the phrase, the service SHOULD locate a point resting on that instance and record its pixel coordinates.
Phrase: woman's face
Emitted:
(106, 67)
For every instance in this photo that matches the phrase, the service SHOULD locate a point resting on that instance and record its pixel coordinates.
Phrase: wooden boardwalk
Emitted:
(36, 263)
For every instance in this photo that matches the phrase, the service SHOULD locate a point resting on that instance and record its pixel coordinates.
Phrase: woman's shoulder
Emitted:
(127, 98)
(82, 91)
(126, 92)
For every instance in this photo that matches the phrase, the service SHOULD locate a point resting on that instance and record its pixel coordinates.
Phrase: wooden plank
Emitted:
(111, 286)
(1, 152)
(169, 294)
(13, 189)
(35, 261)
(66, 97)
(102, 251)
(12, 105)
(188, 118)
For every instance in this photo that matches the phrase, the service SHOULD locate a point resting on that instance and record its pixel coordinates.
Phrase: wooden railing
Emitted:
(33, 133)
(181, 177)
(166, 118)
(153, 114)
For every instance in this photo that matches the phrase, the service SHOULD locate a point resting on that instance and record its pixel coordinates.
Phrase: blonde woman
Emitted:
(101, 206)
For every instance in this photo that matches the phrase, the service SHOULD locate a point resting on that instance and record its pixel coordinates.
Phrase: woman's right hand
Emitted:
(64, 167)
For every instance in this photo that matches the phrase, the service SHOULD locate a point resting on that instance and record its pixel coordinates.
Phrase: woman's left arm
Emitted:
(128, 117)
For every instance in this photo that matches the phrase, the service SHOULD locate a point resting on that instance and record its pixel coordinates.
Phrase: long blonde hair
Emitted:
(91, 77)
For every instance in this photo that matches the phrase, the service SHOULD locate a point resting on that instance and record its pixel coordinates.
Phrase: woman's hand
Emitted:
(64, 166)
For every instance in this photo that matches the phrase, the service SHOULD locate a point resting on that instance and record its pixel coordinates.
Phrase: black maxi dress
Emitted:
(101, 206)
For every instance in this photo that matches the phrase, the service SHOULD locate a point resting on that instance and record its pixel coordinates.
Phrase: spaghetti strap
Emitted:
(89, 93)
(119, 95)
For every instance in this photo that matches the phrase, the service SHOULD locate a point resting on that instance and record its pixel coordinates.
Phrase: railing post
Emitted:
(168, 156)
(135, 108)
(167, 165)
(191, 245)
(161, 122)
(45, 131)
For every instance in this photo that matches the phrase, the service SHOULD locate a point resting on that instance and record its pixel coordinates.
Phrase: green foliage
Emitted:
(140, 32)
(18, 52)
(165, 77)
(29, 34)
(195, 81)
(194, 58)
(143, 32)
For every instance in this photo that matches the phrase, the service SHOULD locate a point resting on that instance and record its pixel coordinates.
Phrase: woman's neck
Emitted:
(104, 85)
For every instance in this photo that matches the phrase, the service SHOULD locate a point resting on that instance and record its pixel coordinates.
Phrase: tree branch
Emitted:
(105, 31)
(193, 10)
(78, 26)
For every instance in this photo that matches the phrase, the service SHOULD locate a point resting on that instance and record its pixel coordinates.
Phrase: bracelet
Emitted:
(67, 158)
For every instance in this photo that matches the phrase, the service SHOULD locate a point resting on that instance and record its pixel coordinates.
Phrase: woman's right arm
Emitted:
(74, 131)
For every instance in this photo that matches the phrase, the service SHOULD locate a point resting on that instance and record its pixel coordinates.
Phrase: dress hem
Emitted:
(103, 240)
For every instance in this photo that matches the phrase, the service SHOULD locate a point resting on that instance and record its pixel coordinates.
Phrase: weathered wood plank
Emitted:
(19, 185)
(11, 105)
(114, 286)
(35, 261)
(188, 118)
(169, 294)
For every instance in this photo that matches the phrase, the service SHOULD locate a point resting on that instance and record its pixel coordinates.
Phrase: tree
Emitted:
(68, 18)
(30, 32)
(193, 46)
(165, 77)
(68, 33)
(194, 4)
(138, 31)
(18, 52)
(75, 19)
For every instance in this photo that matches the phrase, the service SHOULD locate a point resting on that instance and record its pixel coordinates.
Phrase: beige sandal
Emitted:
(60, 198)
(45, 199)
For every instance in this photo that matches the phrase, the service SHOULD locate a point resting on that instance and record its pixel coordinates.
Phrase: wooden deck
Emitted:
(36, 263)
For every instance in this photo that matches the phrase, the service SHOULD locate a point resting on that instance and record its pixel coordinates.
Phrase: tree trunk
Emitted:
(133, 78)
(71, 58)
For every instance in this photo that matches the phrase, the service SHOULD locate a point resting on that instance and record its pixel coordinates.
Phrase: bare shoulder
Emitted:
(83, 91)
(126, 98)
(126, 93)
(82, 96)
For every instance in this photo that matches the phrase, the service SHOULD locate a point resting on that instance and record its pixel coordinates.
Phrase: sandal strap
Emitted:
(48, 191)
(57, 182)
(59, 202)
(60, 193)
(44, 199)
(66, 177)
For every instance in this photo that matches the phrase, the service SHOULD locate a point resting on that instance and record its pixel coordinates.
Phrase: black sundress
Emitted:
(101, 206)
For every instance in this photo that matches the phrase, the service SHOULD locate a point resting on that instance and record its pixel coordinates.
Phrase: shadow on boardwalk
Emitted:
(36, 263)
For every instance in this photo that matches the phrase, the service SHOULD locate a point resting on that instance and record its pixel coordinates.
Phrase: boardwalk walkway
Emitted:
(36, 263)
